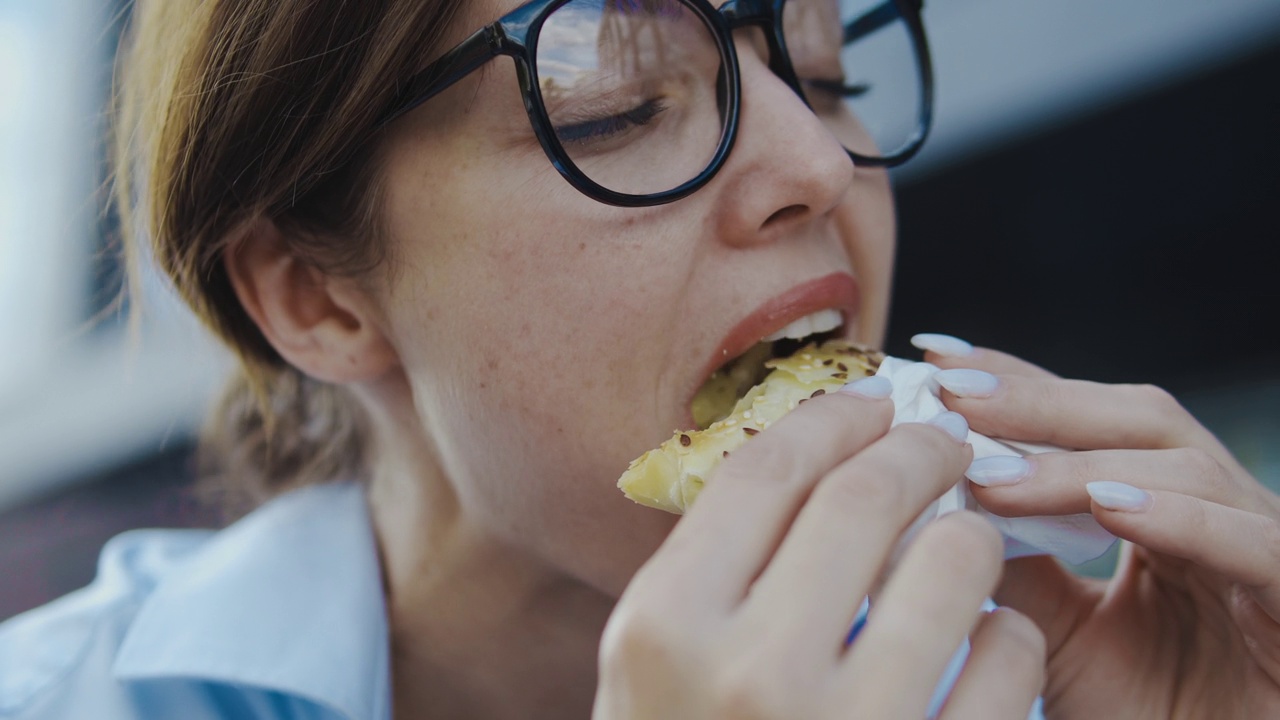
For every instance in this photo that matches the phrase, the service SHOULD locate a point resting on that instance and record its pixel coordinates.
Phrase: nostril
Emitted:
(786, 213)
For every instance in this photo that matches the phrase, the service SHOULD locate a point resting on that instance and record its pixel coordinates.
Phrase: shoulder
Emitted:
(74, 638)
(204, 625)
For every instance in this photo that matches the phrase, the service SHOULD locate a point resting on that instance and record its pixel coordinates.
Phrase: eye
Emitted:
(838, 88)
(597, 129)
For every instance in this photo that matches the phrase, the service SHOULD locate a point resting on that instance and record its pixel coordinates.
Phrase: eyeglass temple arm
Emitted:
(480, 48)
(874, 19)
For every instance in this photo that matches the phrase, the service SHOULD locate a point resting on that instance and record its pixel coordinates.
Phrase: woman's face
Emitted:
(549, 339)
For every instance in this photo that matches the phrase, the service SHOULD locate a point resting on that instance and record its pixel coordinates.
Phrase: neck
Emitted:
(478, 628)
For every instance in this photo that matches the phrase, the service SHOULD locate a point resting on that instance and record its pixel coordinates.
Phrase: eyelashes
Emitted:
(838, 88)
(604, 128)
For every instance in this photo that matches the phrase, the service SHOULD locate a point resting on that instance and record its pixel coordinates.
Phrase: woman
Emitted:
(472, 341)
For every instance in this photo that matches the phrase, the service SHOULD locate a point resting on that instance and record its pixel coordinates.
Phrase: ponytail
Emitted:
(293, 431)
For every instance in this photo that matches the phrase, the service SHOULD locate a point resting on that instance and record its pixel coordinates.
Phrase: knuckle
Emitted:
(1157, 397)
(1201, 464)
(965, 542)
(638, 637)
(746, 691)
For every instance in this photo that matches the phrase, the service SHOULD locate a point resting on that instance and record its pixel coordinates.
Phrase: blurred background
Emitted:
(1101, 195)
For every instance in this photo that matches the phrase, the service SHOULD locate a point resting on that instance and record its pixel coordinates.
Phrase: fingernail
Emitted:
(1118, 496)
(953, 424)
(967, 383)
(998, 470)
(871, 388)
(942, 344)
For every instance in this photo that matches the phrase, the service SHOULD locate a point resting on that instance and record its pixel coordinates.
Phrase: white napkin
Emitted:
(1072, 538)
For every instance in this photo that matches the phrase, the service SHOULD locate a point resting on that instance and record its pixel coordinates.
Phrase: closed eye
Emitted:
(598, 129)
(838, 88)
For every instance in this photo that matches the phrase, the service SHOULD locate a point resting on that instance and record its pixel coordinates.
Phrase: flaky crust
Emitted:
(670, 476)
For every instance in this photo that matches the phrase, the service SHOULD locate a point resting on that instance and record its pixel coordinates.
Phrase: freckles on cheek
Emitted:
(573, 288)
(578, 307)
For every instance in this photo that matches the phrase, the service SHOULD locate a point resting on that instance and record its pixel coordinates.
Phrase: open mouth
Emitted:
(731, 381)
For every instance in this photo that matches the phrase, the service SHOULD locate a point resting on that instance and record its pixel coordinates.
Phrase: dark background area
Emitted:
(1137, 244)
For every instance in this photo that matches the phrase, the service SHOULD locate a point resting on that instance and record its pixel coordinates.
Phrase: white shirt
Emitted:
(279, 616)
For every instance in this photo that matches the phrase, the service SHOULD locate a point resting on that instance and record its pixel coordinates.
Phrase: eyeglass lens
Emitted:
(630, 88)
(857, 65)
(633, 89)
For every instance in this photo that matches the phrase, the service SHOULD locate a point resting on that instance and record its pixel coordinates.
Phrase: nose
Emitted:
(786, 168)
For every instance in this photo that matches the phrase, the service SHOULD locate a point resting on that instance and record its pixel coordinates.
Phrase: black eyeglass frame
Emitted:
(516, 35)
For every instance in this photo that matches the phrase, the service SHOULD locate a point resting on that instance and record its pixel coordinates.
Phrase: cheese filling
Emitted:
(729, 384)
(717, 396)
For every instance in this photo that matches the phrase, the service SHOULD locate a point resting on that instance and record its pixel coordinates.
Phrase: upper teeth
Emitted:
(819, 322)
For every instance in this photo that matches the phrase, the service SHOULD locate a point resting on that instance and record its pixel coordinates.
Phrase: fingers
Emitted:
(1004, 672)
(720, 546)
(1242, 546)
(946, 351)
(1025, 402)
(1054, 483)
(1004, 397)
(837, 546)
(1074, 414)
(925, 611)
(808, 510)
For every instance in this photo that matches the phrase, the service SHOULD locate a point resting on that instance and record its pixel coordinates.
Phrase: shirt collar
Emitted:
(288, 599)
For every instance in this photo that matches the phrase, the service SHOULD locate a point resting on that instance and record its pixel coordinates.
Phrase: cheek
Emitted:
(869, 229)
(537, 443)
(543, 339)
(523, 357)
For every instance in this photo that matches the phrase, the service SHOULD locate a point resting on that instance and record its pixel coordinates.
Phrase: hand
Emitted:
(743, 611)
(1187, 627)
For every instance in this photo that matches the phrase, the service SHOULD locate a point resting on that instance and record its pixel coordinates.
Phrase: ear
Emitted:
(322, 324)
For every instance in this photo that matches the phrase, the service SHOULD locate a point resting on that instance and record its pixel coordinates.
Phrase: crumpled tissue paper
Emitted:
(1072, 538)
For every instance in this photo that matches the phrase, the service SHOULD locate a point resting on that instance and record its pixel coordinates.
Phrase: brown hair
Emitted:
(233, 110)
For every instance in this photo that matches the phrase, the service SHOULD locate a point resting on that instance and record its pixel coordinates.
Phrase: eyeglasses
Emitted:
(636, 102)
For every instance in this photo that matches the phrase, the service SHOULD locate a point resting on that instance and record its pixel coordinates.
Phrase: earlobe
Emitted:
(321, 323)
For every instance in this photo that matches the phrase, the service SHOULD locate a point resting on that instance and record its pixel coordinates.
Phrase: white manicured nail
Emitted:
(872, 388)
(942, 344)
(953, 424)
(1119, 496)
(998, 471)
(967, 383)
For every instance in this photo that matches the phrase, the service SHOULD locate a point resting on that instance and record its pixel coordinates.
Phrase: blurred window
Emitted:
(53, 79)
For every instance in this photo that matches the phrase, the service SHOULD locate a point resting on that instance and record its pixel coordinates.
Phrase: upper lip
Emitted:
(838, 290)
